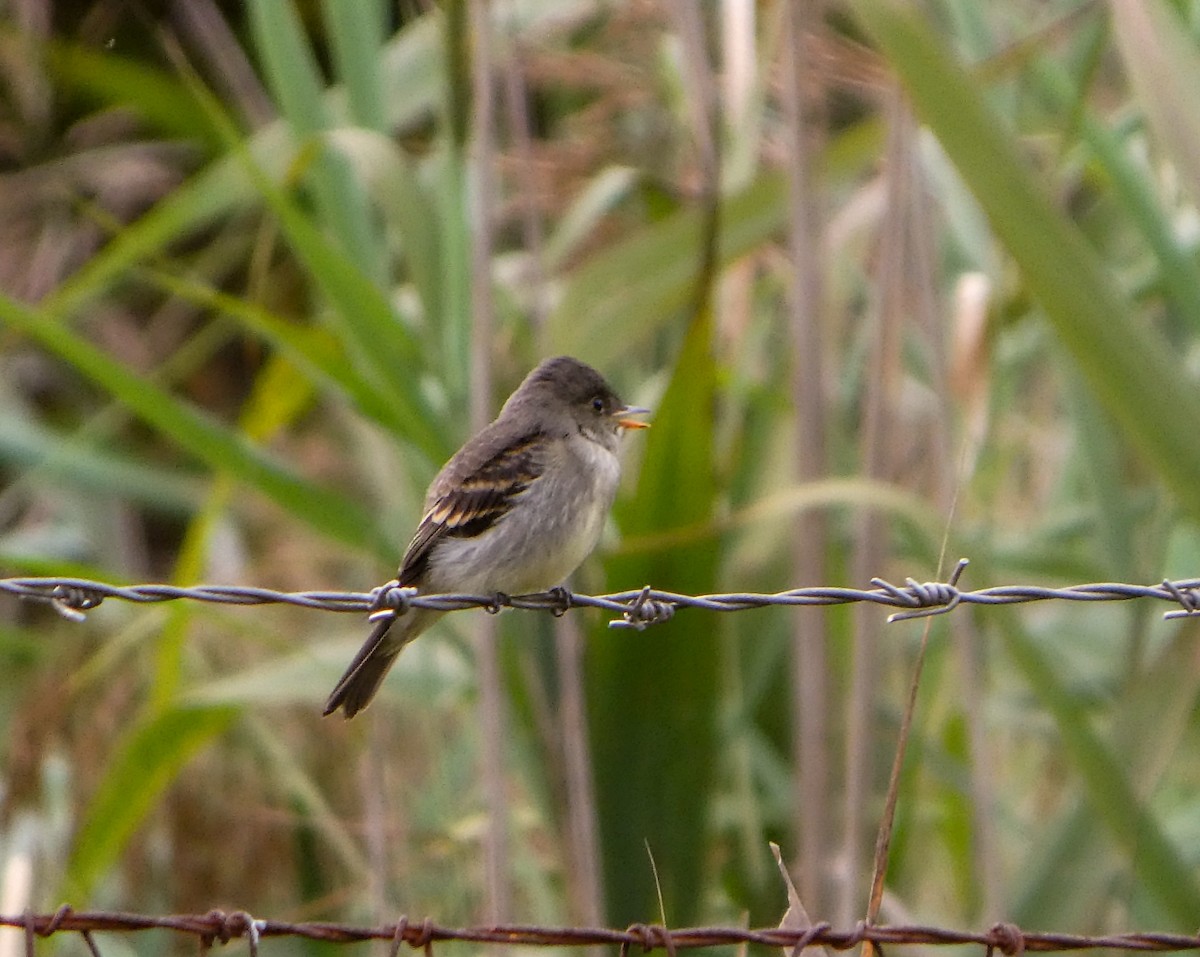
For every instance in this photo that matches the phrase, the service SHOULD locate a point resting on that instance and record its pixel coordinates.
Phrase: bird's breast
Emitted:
(554, 525)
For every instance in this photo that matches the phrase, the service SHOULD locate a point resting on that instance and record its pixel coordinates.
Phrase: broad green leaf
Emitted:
(652, 698)
(143, 765)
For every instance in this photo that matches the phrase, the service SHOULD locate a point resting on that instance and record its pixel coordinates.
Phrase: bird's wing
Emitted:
(475, 489)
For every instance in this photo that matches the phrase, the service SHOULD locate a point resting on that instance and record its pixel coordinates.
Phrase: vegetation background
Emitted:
(903, 282)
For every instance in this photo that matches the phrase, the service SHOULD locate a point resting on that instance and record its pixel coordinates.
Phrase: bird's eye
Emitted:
(598, 404)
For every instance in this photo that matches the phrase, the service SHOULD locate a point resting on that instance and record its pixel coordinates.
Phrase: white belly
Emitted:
(542, 540)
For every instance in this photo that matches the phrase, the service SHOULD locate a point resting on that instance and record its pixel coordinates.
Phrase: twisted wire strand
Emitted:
(221, 926)
(637, 609)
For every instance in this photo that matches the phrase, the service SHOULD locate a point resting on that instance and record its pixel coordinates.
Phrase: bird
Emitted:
(514, 511)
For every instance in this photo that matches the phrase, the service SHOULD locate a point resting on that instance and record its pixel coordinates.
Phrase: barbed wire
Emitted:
(224, 927)
(636, 609)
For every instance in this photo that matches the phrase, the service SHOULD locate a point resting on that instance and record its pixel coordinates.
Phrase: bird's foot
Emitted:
(561, 596)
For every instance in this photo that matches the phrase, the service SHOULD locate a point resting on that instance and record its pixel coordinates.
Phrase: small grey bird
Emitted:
(515, 510)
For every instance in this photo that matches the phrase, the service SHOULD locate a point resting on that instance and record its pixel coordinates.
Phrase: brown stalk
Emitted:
(226, 64)
(966, 388)
(584, 882)
(583, 877)
(492, 716)
(521, 136)
(879, 455)
(801, 95)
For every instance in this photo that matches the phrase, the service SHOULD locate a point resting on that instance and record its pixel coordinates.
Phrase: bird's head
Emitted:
(573, 393)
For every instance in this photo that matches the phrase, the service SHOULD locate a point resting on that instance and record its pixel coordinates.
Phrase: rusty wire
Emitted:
(221, 926)
(636, 609)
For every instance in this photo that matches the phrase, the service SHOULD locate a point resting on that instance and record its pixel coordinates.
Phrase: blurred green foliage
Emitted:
(235, 332)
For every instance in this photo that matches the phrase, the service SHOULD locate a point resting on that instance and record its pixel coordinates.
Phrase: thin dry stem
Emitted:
(491, 695)
(228, 67)
(583, 853)
(879, 455)
(375, 814)
(702, 89)
(532, 231)
(810, 671)
(949, 475)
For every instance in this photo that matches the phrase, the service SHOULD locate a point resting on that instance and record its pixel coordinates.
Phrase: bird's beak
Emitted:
(632, 423)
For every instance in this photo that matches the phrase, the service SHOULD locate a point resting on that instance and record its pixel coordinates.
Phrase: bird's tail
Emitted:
(375, 658)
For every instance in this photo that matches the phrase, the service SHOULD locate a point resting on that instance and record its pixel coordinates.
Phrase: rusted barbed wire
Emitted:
(224, 927)
(637, 609)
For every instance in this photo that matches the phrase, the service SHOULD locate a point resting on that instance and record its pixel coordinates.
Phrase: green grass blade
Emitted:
(142, 767)
(381, 345)
(1103, 459)
(212, 443)
(623, 295)
(407, 203)
(204, 198)
(385, 350)
(288, 64)
(1160, 869)
(410, 62)
(1065, 855)
(71, 460)
(312, 349)
(295, 81)
(454, 322)
(1180, 274)
(159, 99)
(1163, 64)
(1129, 369)
(356, 33)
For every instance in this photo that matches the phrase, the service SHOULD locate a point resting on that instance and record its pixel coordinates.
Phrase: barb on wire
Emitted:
(633, 609)
(218, 925)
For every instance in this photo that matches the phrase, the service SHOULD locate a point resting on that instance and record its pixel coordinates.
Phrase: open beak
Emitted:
(632, 423)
